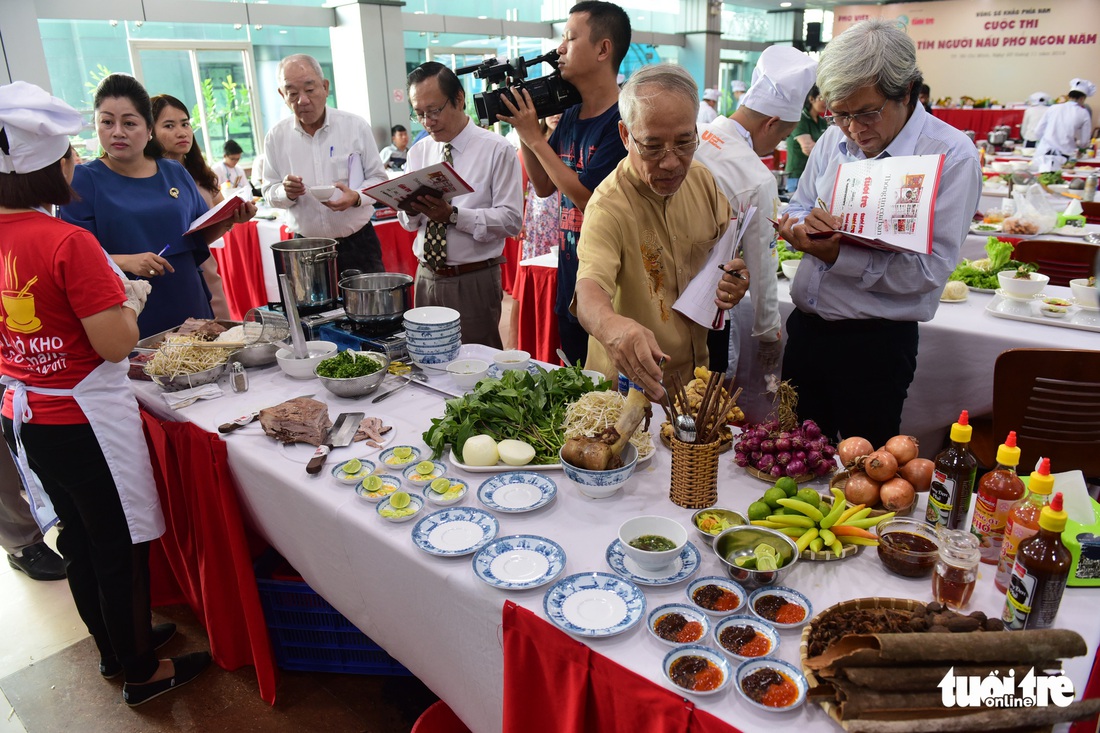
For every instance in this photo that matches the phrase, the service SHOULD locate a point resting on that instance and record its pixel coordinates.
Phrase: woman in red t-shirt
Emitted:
(69, 323)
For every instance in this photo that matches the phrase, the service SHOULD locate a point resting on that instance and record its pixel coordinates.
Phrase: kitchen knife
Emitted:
(248, 417)
(340, 434)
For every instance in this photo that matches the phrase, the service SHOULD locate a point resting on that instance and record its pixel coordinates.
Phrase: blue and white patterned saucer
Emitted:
(517, 491)
(683, 566)
(455, 531)
(495, 371)
(594, 604)
(519, 562)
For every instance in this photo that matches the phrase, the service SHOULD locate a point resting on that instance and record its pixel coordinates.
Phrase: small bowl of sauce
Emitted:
(908, 547)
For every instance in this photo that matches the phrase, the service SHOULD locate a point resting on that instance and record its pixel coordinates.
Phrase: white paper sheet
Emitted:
(697, 300)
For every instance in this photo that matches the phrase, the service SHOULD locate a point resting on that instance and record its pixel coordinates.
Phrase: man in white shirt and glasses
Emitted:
(460, 243)
(322, 146)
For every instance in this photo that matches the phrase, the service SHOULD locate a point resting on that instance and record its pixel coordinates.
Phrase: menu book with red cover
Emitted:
(225, 210)
(887, 203)
(439, 179)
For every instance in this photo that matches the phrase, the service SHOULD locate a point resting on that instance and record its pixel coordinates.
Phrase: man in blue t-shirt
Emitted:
(586, 145)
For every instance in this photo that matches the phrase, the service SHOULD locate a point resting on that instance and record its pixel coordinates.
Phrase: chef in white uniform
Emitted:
(708, 110)
(1066, 127)
(69, 414)
(1038, 104)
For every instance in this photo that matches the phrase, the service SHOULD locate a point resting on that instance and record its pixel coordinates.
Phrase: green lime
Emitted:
(399, 500)
(788, 485)
(441, 485)
(353, 466)
(759, 510)
(773, 495)
(764, 549)
(425, 467)
(403, 452)
(767, 562)
(809, 496)
(373, 483)
(746, 561)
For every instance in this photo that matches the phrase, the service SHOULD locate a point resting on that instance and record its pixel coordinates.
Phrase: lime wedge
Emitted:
(766, 562)
(441, 485)
(745, 561)
(425, 467)
(373, 483)
(399, 500)
(403, 452)
(765, 550)
(353, 466)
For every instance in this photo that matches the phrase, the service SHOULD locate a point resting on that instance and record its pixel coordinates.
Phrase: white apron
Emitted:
(105, 398)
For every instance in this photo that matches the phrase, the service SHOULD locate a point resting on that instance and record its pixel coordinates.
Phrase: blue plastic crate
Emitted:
(309, 635)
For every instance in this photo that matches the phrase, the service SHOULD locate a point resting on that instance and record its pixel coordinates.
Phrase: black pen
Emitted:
(736, 273)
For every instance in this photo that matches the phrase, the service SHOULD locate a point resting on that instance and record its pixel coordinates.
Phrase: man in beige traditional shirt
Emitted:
(648, 230)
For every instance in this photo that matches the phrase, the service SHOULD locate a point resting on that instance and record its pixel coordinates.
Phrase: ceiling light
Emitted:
(784, 5)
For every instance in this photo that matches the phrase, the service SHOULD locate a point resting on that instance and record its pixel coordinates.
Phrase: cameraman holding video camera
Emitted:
(586, 145)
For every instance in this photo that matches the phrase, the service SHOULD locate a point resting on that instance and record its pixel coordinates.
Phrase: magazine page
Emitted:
(440, 178)
(888, 202)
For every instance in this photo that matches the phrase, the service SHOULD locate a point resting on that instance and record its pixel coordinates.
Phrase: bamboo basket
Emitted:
(694, 474)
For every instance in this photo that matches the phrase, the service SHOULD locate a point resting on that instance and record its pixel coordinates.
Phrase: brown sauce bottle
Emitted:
(1040, 574)
(953, 479)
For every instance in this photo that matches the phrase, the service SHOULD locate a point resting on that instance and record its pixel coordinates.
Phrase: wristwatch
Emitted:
(454, 216)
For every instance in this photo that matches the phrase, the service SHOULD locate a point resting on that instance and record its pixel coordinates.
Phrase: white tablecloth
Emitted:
(444, 624)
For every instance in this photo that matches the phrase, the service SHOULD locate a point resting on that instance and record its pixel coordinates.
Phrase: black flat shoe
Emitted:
(161, 633)
(188, 667)
(39, 562)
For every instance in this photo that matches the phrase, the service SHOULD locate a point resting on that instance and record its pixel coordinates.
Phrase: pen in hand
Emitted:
(161, 253)
(736, 273)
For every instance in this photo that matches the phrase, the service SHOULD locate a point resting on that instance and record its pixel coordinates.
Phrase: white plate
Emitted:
(347, 479)
(594, 604)
(519, 562)
(455, 531)
(975, 230)
(1084, 319)
(1068, 231)
(683, 566)
(519, 491)
(502, 466)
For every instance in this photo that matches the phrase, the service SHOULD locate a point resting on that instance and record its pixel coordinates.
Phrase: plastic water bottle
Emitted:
(1090, 188)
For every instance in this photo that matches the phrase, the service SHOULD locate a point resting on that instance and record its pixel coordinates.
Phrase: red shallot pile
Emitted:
(778, 453)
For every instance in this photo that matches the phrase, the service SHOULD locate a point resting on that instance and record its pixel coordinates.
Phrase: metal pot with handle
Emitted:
(379, 299)
(310, 265)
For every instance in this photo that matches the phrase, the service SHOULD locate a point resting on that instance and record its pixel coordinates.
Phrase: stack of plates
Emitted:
(433, 334)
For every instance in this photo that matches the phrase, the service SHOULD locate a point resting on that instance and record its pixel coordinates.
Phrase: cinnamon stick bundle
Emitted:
(927, 677)
(986, 720)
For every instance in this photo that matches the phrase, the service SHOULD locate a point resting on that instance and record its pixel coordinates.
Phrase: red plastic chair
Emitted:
(439, 718)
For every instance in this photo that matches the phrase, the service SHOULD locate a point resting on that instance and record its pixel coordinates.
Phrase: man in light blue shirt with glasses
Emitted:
(852, 297)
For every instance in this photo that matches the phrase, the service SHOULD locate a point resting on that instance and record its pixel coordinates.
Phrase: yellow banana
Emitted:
(816, 544)
(794, 532)
(827, 536)
(765, 523)
(869, 521)
(803, 507)
(836, 547)
(847, 513)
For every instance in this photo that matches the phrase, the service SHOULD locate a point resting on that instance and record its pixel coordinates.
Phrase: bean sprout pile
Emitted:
(177, 356)
(595, 412)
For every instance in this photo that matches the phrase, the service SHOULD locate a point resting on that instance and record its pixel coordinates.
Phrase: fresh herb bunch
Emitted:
(518, 405)
(1051, 178)
(785, 253)
(983, 273)
(346, 365)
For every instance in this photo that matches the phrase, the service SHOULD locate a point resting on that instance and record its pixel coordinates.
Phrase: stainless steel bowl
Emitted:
(357, 386)
(742, 541)
(186, 381)
(256, 355)
(379, 298)
(736, 519)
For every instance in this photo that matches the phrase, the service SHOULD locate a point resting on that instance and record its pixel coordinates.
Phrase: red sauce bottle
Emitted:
(998, 491)
(1023, 521)
(953, 479)
(1040, 574)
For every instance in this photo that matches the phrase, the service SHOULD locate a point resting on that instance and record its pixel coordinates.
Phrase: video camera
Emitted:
(551, 94)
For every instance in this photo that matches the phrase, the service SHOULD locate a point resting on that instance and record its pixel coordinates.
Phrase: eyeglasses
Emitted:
(866, 119)
(653, 152)
(428, 114)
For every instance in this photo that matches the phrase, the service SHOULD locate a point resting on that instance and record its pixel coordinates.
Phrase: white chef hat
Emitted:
(710, 95)
(37, 126)
(738, 86)
(1038, 98)
(780, 83)
(1082, 85)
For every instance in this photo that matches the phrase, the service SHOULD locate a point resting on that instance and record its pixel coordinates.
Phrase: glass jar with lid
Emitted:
(957, 568)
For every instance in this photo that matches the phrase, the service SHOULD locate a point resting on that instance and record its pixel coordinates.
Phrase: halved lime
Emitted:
(353, 466)
(766, 562)
(402, 452)
(373, 483)
(764, 550)
(441, 485)
(425, 467)
(399, 500)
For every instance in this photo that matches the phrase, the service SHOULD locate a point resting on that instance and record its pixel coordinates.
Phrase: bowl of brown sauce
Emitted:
(908, 547)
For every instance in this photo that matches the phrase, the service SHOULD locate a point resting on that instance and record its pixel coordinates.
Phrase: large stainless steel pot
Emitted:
(379, 299)
(997, 135)
(310, 265)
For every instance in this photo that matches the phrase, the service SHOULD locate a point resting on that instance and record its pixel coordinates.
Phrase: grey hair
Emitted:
(300, 58)
(871, 53)
(657, 79)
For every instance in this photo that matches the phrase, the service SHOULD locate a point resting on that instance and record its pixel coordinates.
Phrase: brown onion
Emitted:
(918, 472)
(852, 448)
(903, 447)
(861, 489)
(881, 465)
(897, 495)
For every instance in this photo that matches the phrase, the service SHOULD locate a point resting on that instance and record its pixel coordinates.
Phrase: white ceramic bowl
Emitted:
(763, 628)
(725, 584)
(601, 484)
(789, 595)
(698, 650)
(443, 357)
(430, 317)
(415, 478)
(390, 484)
(597, 378)
(303, 368)
(353, 479)
(416, 503)
(691, 613)
(391, 462)
(434, 338)
(436, 498)
(1020, 166)
(442, 348)
(1085, 294)
(789, 267)
(650, 560)
(512, 359)
(467, 372)
(1020, 288)
(322, 193)
(1001, 166)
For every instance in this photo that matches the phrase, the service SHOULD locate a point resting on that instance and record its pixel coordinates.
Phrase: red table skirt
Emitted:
(397, 252)
(982, 121)
(241, 269)
(537, 326)
(205, 556)
(553, 683)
